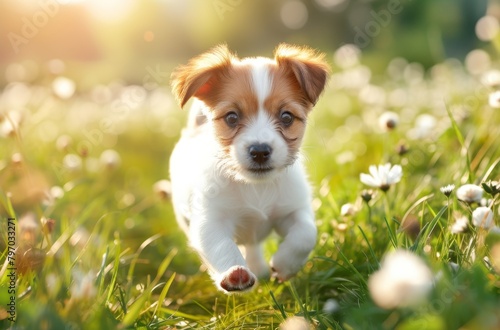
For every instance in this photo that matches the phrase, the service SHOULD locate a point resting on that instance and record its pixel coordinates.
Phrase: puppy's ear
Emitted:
(198, 76)
(309, 68)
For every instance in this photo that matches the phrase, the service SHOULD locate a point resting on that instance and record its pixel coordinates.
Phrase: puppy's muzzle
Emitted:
(260, 153)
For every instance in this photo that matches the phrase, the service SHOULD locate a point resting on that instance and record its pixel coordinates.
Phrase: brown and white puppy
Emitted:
(236, 173)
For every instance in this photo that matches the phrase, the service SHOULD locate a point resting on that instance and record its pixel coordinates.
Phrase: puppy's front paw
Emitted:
(284, 269)
(237, 278)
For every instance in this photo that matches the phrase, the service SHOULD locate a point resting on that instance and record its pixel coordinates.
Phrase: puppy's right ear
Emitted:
(200, 74)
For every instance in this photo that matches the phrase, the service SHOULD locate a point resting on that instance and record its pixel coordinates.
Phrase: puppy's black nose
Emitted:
(260, 153)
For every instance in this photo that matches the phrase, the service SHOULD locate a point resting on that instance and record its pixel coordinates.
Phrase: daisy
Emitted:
(348, 209)
(382, 176)
(72, 162)
(460, 224)
(110, 159)
(367, 195)
(331, 306)
(163, 189)
(447, 190)
(470, 193)
(494, 99)
(483, 217)
(491, 187)
(388, 120)
(491, 79)
(403, 280)
(295, 323)
(425, 127)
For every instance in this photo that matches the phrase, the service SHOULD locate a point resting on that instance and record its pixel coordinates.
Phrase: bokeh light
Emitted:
(477, 61)
(294, 14)
(487, 28)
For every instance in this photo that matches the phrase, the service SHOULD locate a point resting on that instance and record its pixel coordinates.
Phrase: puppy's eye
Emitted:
(286, 118)
(231, 119)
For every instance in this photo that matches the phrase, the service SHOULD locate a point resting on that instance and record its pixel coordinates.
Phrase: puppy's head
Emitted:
(257, 107)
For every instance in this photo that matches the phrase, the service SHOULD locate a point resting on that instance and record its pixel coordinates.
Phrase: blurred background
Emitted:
(85, 76)
(94, 41)
(88, 122)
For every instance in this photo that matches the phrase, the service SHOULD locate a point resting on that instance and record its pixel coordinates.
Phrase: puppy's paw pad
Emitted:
(237, 278)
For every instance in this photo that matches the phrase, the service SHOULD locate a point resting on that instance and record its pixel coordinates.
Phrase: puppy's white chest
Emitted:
(261, 201)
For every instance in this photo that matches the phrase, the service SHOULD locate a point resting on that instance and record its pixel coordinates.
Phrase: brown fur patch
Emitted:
(232, 92)
(287, 95)
(225, 85)
(308, 67)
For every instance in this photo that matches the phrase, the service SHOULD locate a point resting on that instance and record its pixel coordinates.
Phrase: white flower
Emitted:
(347, 209)
(494, 99)
(110, 159)
(29, 229)
(425, 127)
(492, 187)
(491, 78)
(57, 192)
(9, 123)
(367, 195)
(460, 224)
(447, 190)
(485, 202)
(72, 162)
(53, 194)
(295, 323)
(382, 176)
(331, 306)
(63, 87)
(388, 120)
(163, 188)
(470, 193)
(483, 217)
(404, 280)
(63, 142)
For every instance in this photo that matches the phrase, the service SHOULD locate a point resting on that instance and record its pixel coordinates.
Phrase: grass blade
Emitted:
(138, 305)
(461, 140)
(278, 306)
(164, 292)
(425, 233)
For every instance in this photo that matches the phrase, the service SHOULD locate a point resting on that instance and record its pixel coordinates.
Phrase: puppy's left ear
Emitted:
(308, 66)
(199, 76)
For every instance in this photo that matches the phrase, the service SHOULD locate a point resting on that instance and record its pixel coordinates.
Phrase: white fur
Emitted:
(220, 210)
(260, 77)
(260, 130)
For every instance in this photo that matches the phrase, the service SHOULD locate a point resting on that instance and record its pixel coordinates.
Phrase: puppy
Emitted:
(236, 173)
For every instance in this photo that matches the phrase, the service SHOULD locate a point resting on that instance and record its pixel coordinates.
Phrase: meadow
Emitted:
(83, 179)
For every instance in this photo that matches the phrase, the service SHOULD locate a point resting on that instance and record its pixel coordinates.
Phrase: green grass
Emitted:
(115, 257)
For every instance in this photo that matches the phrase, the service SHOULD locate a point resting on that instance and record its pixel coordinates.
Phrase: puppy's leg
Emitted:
(213, 240)
(255, 260)
(299, 233)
